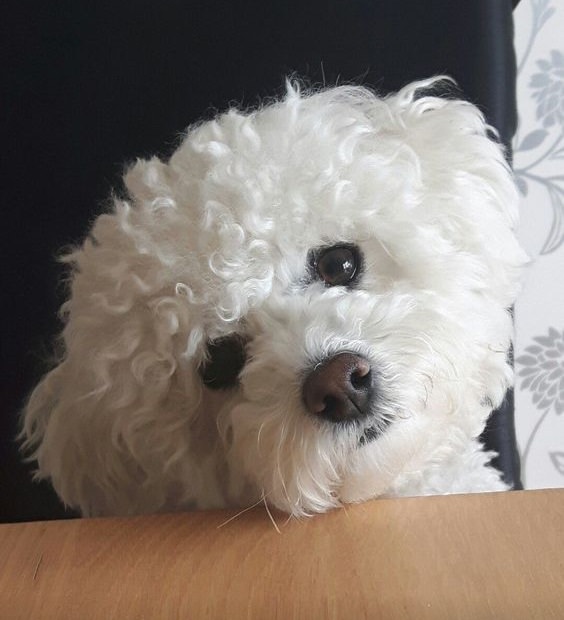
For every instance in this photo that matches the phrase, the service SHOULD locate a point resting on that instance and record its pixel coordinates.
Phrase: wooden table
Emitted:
(498, 555)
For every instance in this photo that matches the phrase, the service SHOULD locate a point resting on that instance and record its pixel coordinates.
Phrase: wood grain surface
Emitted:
(498, 555)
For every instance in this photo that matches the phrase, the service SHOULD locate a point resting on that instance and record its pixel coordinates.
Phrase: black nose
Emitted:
(225, 360)
(341, 389)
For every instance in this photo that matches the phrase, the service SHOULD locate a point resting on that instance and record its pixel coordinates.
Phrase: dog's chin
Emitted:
(373, 432)
(365, 478)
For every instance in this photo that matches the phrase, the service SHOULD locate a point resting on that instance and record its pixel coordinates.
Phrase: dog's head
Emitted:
(298, 304)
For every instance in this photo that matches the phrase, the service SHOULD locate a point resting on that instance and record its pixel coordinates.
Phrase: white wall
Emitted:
(539, 166)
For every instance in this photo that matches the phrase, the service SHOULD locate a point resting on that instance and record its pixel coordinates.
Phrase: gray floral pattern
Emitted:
(547, 138)
(542, 372)
(557, 459)
(539, 172)
(548, 89)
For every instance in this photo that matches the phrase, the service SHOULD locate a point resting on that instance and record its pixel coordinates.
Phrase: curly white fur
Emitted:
(216, 241)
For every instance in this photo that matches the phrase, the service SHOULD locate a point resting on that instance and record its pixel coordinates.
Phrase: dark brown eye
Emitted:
(338, 265)
(226, 359)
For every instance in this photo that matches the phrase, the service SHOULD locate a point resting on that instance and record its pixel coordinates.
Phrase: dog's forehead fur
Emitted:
(217, 240)
(410, 182)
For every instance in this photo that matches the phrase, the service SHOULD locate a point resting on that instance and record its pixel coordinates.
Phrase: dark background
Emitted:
(87, 86)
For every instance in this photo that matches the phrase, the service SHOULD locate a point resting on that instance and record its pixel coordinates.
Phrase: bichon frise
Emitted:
(308, 303)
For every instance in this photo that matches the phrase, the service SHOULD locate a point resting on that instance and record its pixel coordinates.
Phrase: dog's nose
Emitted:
(341, 389)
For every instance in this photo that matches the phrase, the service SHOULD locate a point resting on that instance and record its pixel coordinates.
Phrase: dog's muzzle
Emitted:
(341, 389)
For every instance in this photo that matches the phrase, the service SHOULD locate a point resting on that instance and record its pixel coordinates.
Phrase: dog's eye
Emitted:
(226, 358)
(338, 265)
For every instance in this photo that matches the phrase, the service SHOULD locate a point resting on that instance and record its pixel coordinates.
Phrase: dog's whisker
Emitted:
(242, 512)
(270, 514)
(279, 452)
(259, 434)
(345, 509)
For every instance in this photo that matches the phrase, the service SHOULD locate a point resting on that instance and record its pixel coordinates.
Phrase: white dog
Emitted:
(308, 303)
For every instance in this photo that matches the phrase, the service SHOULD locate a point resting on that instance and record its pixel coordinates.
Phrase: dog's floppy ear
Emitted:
(464, 191)
(91, 422)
